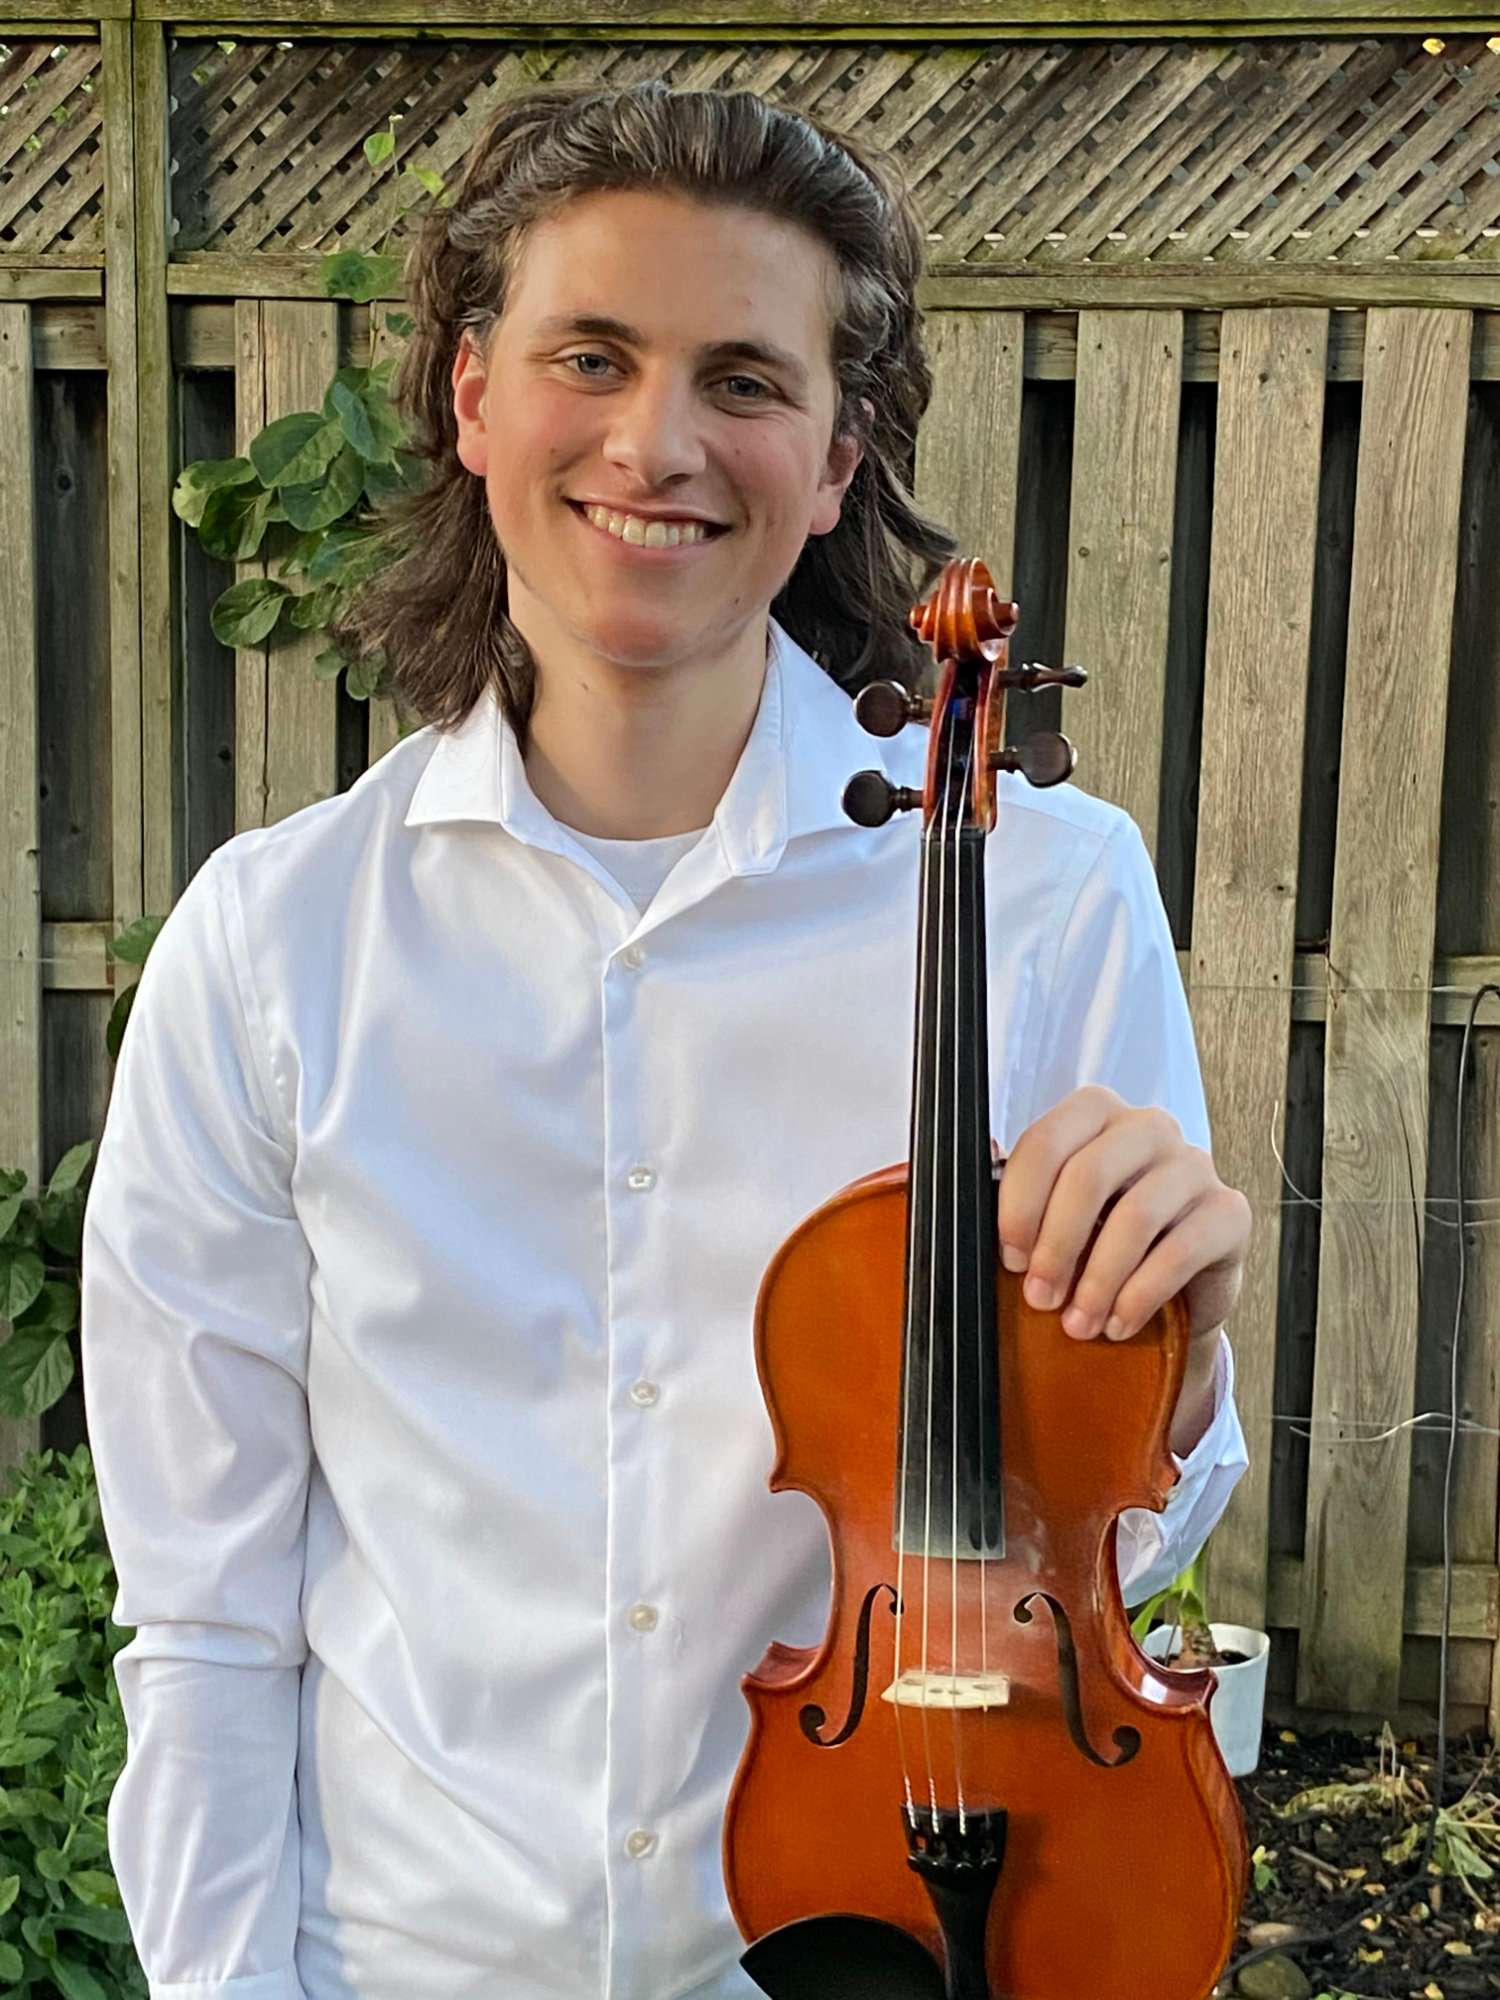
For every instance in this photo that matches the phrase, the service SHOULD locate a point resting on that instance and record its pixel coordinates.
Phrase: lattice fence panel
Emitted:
(51, 149)
(1020, 153)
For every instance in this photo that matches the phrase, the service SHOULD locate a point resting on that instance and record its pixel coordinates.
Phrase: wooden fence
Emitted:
(1216, 331)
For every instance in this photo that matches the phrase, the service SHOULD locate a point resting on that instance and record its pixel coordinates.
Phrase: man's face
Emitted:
(655, 414)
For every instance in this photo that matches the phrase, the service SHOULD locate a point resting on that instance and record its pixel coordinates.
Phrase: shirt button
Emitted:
(643, 1617)
(644, 1394)
(639, 1843)
(633, 957)
(640, 1178)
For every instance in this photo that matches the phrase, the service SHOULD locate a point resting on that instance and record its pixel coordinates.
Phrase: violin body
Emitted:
(1124, 1852)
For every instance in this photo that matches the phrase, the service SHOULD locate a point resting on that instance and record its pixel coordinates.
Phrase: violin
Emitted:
(977, 1787)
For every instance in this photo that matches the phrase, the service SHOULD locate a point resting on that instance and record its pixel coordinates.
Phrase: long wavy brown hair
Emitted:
(437, 609)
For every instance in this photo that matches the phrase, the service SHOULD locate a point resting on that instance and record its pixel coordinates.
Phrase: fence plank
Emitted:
(1120, 553)
(1270, 424)
(20, 875)
(286, 739)
(162, 841)
(1380, 967)
(969, 444)
(127, 809)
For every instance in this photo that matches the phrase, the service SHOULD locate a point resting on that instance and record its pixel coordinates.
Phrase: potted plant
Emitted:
(1174, 1628)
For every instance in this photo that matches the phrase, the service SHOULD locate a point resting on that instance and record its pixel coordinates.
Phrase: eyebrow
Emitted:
(600, 326)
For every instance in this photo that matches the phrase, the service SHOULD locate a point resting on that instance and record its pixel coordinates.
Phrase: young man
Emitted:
(457, 1121)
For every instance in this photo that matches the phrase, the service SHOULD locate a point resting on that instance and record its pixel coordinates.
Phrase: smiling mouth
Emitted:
(637, 531)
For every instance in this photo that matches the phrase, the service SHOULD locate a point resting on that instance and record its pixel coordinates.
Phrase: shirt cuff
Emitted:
(1154, 1548)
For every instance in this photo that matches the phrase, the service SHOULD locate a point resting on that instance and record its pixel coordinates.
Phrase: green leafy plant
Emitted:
(40, 1237)
(304, 486)
(62, 1739)
(1182, 1603)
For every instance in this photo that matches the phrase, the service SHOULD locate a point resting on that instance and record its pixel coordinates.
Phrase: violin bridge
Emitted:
(920, 1687)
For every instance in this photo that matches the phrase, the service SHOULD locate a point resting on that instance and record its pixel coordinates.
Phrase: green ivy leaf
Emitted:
(53, 1310)
(10, 1208)
(119, 1014)
(11, 1964)
(348, 556)
(360, 275)
(295, 450)
(401, 323)
(196, 482)
(104, 1918)
(325, 501)
(36, 1366)
(354, 416)
(132, 945)
(302, 552)
(431, 180)
(406, 474)
(10, 1888)
(71, 1168)
(247, 612)
(379, 147)
(76, 1981)
(234, 522)
(61, 1217)
(363, 678)
(21, 1279)
(314, 608)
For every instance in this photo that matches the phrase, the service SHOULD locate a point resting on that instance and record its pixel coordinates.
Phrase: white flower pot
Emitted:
(1237, 1704)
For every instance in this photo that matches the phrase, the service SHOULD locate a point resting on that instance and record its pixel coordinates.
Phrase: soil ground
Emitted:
(1328, 1866)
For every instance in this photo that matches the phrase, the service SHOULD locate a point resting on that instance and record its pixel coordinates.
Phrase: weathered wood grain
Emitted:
(1120, 553)
(286, 742)
(162, 856)
(1270, 427)
(20, 875)
(1380, 967)
(969, 445)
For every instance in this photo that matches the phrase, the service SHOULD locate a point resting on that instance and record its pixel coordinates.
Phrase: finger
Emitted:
(1208, 1234)
(1085, 1187)
(1163, 1198)
(1036, 1159)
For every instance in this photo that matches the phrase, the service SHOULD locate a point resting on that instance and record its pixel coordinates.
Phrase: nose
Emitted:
(653, 431)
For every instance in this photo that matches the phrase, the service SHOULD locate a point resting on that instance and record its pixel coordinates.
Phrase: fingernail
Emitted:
(1042, 1293)
(1077, 1322)
(1114, 1327)
(1012, 1258)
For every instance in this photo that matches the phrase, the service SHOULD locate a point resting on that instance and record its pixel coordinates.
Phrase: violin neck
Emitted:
(948, 1489)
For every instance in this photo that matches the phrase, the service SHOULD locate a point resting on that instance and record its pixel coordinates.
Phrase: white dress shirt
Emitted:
(419, 1276)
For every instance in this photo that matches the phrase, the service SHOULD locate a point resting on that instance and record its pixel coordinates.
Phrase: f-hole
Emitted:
(813, 1718)
(1126, 1740)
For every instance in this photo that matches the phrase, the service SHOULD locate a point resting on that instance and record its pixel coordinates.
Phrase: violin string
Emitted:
(908, 1373)
(954, 1169)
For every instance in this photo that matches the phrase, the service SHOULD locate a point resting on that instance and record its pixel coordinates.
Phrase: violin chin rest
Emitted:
(843, 1958)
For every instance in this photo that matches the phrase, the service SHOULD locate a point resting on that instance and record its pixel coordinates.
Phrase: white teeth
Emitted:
(646, 534)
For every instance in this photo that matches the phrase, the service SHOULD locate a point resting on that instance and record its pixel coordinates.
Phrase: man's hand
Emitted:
(1166, 1222)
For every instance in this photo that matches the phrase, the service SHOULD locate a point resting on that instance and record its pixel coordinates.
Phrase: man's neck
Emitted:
(641, 753)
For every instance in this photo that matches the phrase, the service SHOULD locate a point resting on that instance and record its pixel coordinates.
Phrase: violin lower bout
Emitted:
(1016, 1687)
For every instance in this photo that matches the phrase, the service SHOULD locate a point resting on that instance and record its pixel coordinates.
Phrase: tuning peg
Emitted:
(870, 798)
(1044, 759)
(884, 708)
(1029, 677)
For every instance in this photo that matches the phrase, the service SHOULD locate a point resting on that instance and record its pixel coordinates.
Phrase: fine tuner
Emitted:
(885, 707)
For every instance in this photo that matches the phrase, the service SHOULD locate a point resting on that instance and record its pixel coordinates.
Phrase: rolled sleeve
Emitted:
(1154, 1548)
(195, 1314)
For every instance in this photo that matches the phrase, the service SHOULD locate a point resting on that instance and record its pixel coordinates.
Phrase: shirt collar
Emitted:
(803, 748)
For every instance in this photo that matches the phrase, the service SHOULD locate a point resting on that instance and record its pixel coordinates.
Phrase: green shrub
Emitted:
(62, 1739)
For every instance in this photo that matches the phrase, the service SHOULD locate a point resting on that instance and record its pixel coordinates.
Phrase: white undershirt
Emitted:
(639, 866)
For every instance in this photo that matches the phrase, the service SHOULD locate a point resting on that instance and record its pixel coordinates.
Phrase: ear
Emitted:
(844, 456)
(468, 406)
